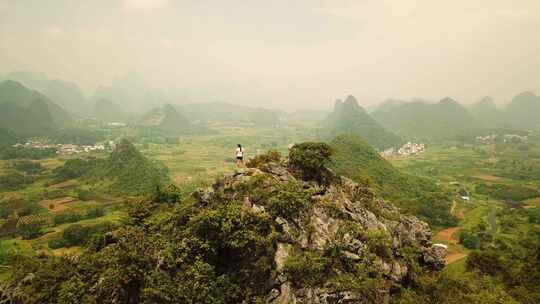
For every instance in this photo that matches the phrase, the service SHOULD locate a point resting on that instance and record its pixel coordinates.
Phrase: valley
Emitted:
(269, 152)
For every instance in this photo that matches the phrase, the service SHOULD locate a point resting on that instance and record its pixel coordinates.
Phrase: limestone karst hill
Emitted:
(348, 117)
(125, 172)
(281, 231)
(27, 112)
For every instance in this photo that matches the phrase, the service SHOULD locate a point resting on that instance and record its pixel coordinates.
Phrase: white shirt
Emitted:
(239, 152)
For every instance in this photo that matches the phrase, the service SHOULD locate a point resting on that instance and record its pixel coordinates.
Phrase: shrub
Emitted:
(306, 268)
(14, 181)
(85, 195)
(17, 204)
(30, 231)
(378, 242)
(487, 262)
(52, 194)
(507, 192)
(169, 194)
(77, 234)
(28, 167)
(57, 243)
(310, 159)
(288, 203)
(469, 239)
(95, 213)
(68, 217)
(74, 168)
(534, 215)
(28, 153)
(262, 159)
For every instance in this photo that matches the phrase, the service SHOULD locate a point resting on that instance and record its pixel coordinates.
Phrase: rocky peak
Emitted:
(346, 226)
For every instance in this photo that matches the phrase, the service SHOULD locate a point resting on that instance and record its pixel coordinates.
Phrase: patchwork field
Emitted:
(467, 167)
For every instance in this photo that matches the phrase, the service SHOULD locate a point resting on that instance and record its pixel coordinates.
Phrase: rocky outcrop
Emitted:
(363, 229)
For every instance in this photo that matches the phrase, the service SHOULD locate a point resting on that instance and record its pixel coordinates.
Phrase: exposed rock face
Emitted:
(380, 237)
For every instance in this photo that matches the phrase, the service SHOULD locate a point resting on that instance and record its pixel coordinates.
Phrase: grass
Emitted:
(455, 269)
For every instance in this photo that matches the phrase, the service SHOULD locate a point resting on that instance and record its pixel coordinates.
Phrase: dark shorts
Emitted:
(240, 158)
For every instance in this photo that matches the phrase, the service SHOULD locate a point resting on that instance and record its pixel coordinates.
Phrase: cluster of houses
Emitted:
(65, 149)
(115, 124)
(490, 139)
(407, 149)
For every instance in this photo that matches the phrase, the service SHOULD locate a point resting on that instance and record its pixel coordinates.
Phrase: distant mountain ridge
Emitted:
(350, 118)
(446, 119)
(224, 112)
(66, 94)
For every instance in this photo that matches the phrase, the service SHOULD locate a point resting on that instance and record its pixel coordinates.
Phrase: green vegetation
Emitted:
(26, 112)
(262, 159)
(26, 153)
(28, 167)
(75, 168)
(17, 204)
(310, 160)
(14, 181)
(77, 235)
(355, 159)
(125, 171)
(507, 192)
(178, 243)
(210, 247)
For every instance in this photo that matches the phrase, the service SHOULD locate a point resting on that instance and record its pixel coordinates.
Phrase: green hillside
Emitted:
(446, 119)
(350, 118)
(356, 159)
(524, 110)
(126, 171)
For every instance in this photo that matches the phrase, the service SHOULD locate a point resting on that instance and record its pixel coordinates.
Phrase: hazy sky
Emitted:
(283, 52)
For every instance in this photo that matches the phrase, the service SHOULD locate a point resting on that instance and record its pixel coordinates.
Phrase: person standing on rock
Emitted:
(239, 155)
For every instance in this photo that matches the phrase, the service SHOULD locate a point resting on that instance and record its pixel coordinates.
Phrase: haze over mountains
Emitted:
(38, 104)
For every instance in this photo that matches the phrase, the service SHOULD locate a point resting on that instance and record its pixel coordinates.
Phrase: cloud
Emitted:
(144, 5)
